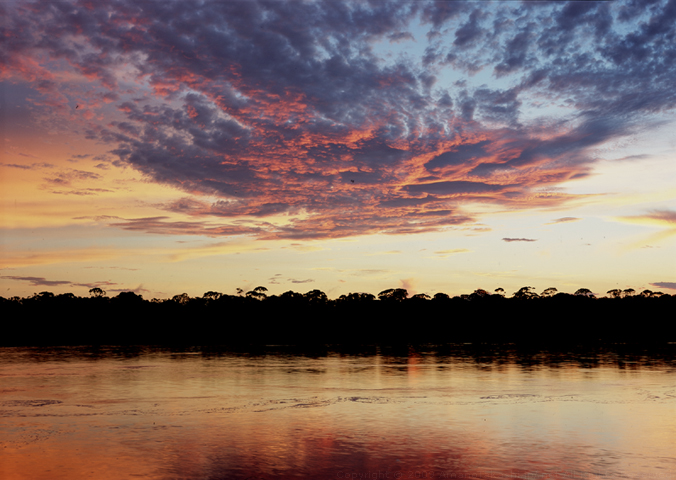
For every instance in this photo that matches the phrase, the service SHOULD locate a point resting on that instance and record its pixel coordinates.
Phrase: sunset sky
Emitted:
(164, 147)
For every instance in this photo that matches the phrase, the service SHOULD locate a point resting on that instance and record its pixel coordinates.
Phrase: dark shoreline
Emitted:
(558, 321)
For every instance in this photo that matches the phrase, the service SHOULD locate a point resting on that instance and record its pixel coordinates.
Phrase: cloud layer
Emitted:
(337, 118)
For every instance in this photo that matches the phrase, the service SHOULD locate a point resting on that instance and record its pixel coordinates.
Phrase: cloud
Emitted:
(453, 188)
(408, 284)
(563, 220)
(508, 240)
(662, 218)
(14, 165)
(446, 253)
(67, 177)
(280, 108)
(138, 290)
(43, 282)
(37, 281)
(33, 166)
(668, 285)
(160, 225)
(82, 191)
(458, 155)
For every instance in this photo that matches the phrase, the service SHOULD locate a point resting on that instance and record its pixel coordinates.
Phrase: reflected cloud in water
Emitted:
(379, 412)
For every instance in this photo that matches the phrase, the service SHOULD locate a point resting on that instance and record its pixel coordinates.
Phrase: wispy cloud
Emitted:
(667, 285)
(37, 281)
(563, 220)
(43, 282)
(658, 218)
(519, 240)
(665, 220)
(453, 251)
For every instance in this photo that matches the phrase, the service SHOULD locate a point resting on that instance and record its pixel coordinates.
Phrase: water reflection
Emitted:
(424, 412)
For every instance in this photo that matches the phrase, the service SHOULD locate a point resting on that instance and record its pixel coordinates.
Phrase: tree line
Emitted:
(391, 317)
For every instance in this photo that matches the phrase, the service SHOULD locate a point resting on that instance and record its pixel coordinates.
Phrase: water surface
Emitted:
(78, 413)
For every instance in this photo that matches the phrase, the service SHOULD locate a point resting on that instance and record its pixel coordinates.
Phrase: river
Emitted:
(157, 413)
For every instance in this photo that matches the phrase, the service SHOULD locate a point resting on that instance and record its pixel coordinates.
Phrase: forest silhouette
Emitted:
(392, 317)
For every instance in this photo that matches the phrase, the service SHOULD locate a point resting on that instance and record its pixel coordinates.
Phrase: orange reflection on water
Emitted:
(170, 416)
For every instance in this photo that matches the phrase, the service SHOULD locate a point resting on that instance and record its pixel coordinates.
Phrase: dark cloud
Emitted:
(38, 281)
(407, 202)
(515, 54)
(459, 155)
(282, 107)
(43, 282)
(66, 177)
(669, 285)
(470, 31)
(453, 188)
(33, 166)
(82, 191)
(488, 169)
(159, 225)
(508, 240)
(138, 290)
(14, 165)
(439, 12)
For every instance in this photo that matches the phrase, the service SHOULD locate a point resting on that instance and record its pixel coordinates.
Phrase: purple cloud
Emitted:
(667, 285)
(298, 108)
(508, 240)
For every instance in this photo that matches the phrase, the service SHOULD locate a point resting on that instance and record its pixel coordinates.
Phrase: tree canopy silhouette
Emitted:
(392, 317)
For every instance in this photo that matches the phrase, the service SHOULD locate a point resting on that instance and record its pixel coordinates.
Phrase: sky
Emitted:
(164, 147)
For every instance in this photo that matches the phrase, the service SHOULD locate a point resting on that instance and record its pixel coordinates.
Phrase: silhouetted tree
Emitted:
(500, 291)
(97, 292)
(129, 297)
(357, 297)
(549, 292)
(355, 318)
(396, 294)
(42, 296)
(525, 293)
(478, 294)
(615, 293)
(211, 295)
(181, 299)
(316, 297)
(291, 295)
(628, 292)
(584, 292)
(258, 293)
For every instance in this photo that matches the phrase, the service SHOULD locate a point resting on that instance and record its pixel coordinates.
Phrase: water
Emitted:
(157, 414)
